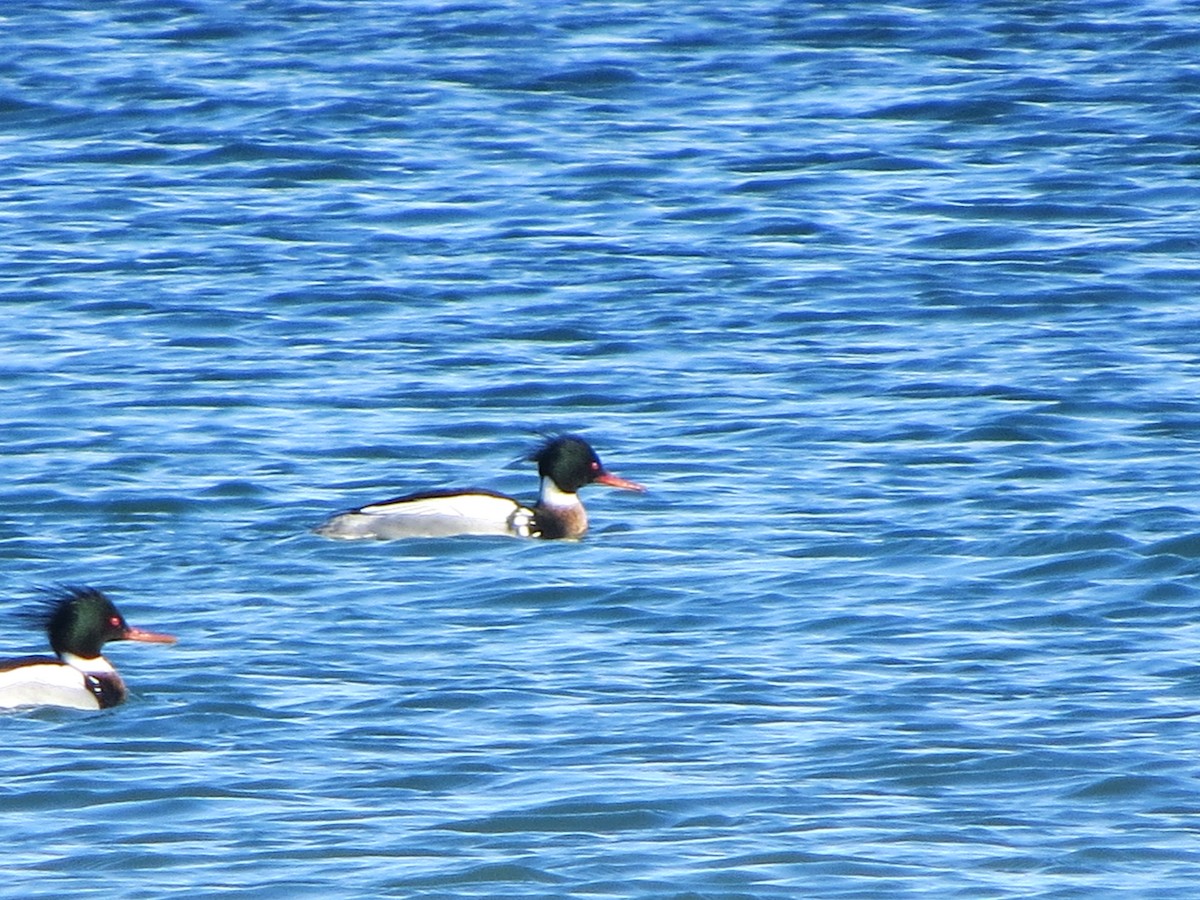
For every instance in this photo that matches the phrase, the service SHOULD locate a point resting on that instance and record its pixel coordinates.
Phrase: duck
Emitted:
(79, 621)
(565, 463)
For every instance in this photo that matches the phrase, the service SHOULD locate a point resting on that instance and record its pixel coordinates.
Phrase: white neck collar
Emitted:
(96, 664)
(552, 495)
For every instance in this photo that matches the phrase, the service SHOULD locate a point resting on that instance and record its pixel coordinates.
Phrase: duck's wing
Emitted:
(431, 514)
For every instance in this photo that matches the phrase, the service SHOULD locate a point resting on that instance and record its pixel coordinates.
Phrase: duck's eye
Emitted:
(114, 622)
(595, 466)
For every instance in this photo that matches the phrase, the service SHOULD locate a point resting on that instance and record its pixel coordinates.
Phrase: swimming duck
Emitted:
(78, 622)
(565, 464)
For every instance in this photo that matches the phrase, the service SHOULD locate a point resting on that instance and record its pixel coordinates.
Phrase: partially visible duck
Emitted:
(78, 622)
(565, 463)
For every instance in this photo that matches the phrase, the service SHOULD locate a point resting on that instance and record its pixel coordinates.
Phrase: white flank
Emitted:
(425, 517)
(46, 684)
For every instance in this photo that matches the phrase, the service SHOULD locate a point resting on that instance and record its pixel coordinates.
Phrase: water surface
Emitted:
(892, 308)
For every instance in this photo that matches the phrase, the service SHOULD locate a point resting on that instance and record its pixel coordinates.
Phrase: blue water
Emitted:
(894, 309)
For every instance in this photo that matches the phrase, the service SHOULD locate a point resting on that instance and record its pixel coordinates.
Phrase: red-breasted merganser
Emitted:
(78, 622)
(565, 464)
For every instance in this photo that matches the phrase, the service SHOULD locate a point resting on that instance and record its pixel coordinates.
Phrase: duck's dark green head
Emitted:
(570, 462)
(81, 620)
